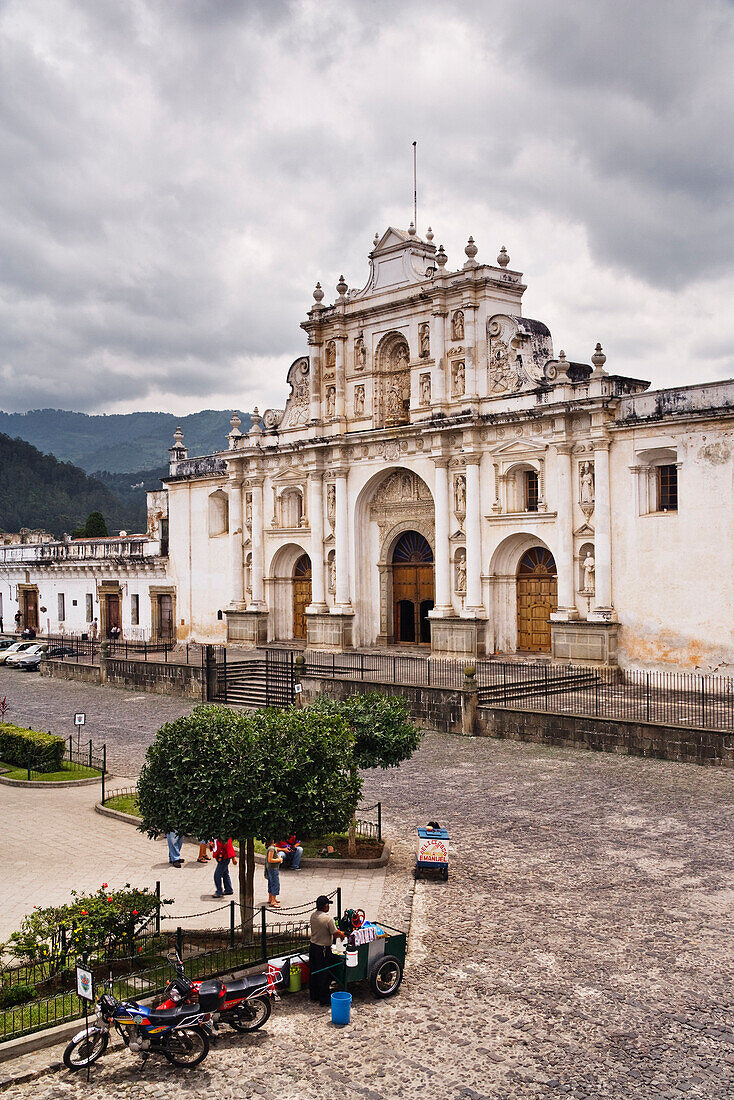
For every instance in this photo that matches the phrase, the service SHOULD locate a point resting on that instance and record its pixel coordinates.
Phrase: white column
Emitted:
(438, 351)
(470, 344)
(602, 530)
(258, 546)
(315, 380)
(442, 553)
(564, 528)
(316, 510)
(236, 547)
(341, 533)
(340, 380)
(473, 523)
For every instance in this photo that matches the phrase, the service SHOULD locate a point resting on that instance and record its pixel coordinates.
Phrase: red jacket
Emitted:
(224, 849)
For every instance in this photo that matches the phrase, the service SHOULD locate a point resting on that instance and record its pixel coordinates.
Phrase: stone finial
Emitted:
(562, 359)
(376, 240)
(318, 295)
(178, 438)
(235, 435)
(411, 229)
(256, 420)
(341, 288)
(471, 251)
(503, 259)
(598, 359)
(177, 453)
(429, 234)
(441, 257)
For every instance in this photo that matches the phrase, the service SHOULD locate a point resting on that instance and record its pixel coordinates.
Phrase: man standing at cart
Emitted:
(320, 958)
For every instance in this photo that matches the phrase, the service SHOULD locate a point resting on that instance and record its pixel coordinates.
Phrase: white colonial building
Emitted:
(441, 477)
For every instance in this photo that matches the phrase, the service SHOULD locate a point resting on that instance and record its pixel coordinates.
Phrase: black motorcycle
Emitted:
(244, 1004)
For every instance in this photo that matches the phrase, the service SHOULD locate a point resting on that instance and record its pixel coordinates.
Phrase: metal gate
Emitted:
(258, 682)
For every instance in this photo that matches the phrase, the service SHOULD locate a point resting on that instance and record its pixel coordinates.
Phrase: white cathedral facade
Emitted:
(441, 478)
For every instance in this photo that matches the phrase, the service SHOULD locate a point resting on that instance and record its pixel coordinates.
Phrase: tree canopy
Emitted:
(384, 733)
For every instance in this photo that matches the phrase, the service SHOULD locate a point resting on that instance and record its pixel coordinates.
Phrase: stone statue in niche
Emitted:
(332, 573)
(458, 379)
(587, 483)
(331, 402)
(406, 487)
(460, 494)
(424, 340)
(360, 354)
(457, 325)
(425, 389)
(394, 400)
(402, 358)
(248, 509)
(461, 574)
(330, 359)
(359, 400)
(589, 566)
(331, 501)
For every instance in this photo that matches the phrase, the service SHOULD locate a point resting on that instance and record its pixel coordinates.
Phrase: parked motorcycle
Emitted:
(244, 1004)
(180, 1034)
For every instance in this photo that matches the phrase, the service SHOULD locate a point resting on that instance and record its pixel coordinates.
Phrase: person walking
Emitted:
(320, 957)
(273, 860)
(175, 840)
(204, 856)
(224, 853)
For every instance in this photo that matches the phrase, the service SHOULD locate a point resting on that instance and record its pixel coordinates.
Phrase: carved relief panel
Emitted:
(393, 382)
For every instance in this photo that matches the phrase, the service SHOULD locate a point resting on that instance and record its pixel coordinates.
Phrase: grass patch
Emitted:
(68, 771)
(39, 1014)
(125, 803)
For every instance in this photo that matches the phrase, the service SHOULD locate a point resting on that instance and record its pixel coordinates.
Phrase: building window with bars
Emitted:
(667, 488)
(531, 491)
(135, 609)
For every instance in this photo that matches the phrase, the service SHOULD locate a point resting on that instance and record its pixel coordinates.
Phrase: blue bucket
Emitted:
(341, 1005)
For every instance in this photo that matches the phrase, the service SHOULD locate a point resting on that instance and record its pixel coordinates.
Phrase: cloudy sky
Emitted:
(175, 176)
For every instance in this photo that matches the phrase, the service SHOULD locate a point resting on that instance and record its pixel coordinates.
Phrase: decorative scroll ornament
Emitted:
(297, 407)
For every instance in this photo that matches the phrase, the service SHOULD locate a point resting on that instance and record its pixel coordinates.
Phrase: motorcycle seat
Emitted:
(246, 985)
(168, 1015)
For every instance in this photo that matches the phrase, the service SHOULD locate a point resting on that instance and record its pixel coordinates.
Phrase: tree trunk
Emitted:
(352, 839)
(247, 883)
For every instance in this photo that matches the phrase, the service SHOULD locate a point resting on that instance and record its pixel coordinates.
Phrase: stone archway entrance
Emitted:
(301, 595)
(413, 589)
(537, 597)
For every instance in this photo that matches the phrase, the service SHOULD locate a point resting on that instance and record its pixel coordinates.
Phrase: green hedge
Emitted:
(18, 746)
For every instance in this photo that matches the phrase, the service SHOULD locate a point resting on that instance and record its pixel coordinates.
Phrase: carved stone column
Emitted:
(470, 344)
(236, 545)
(316, 509)
(340, 381)
(603, 606)
(341, 533)
(442, 555)
(564, 527)
(258, 546)
(315, 380)
(473, 523)
(438, 351)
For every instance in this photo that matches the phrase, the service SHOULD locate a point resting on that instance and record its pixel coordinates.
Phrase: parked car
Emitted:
(5, 643)
(12, 650)
(30, 661)
(32, 650)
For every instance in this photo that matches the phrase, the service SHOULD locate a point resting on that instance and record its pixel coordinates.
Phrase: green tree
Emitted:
(95, 527)
(216, 772)
(384, 733)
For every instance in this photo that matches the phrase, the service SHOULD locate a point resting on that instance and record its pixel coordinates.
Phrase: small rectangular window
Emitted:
(135, 609)
(668, 488)
(90, 607)
(62, 607)
(531, 491)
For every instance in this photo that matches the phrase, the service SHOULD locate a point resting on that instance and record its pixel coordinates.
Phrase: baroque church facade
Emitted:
(441, 478)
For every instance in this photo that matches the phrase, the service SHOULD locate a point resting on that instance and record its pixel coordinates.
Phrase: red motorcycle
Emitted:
(243, 1004)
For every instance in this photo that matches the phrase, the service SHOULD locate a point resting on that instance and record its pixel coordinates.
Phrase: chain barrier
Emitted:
(189, 916)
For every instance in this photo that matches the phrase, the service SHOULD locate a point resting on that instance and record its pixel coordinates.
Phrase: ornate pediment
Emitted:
(519, 448)
(584, 531)
(400, 487)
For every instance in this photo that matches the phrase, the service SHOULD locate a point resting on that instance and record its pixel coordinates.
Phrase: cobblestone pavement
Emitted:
(582, 947)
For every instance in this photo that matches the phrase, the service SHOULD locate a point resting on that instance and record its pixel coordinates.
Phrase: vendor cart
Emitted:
(379, 961)
(432, 852)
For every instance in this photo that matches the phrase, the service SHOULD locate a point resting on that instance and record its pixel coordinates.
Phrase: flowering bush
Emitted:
(96, 924)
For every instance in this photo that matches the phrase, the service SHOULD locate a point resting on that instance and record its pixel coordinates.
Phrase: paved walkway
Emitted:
(54, 842)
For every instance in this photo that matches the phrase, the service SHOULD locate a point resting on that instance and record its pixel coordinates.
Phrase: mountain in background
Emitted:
(121, 442)
(36, 490)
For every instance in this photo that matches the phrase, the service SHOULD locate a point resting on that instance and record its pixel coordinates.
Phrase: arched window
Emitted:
(291, 508)
(218, 513)
(412, 548)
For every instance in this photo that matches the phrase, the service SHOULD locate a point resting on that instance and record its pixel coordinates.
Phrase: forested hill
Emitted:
(122, 441)
(38, 491)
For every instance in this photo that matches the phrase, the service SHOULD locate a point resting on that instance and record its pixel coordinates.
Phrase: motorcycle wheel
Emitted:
(187, 1046)
(86, 1049)
(250, 1015)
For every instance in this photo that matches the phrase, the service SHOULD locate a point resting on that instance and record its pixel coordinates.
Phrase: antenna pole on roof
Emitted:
(415, 187)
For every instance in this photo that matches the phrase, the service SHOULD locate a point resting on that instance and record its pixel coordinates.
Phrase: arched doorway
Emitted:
(413, 591)
(301, 594)
(537, 597)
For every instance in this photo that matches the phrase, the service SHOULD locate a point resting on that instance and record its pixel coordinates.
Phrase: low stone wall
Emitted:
(681, 743)
(155, 676)
(437, 708)
(70, 670)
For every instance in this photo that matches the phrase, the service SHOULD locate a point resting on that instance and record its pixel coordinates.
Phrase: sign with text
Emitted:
(432, 850)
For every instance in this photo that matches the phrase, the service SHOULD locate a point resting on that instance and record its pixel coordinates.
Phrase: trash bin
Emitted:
(341, 1004)
(294, 983)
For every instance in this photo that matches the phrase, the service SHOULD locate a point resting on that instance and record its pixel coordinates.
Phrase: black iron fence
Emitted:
(371, 830)
(81, 759)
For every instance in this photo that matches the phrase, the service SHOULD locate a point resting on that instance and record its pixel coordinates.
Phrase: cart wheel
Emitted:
(445, 874)
(385, 976)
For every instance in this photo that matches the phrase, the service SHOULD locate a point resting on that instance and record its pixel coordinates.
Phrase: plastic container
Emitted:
(294, 983)
(341, 1007)
(352, 956)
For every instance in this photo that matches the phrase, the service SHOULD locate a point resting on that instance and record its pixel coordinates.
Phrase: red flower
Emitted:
(135, 912)
(84, 913)
(109, 899)
(104, 885)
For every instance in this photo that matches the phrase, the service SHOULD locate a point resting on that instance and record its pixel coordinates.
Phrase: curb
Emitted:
(62, 783)
(356, 864)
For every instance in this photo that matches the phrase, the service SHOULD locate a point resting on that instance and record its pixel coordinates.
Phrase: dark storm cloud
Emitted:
(176, 177)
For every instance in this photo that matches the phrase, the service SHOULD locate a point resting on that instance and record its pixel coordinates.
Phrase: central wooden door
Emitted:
(413, 589)
(29, 600)
(165, 614)
(301, 595)
(113, 613)
(537, 596)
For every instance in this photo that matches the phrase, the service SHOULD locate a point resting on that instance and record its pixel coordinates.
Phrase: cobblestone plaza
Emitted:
(582, 946)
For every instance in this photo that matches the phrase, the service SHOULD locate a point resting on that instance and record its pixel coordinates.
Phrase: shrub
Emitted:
(12, 995)
(19, 746)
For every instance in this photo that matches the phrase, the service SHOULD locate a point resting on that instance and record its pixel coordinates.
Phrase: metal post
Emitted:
(263, 934)
(104, 769)
(29, 769)
(224, 652)
(158, 909)
(379, 821)
(339, 903)
(647, 695)
(145, 650)
(231, 925)
(179, 941)
(90, 752)
(703, 700)
(546, 687)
